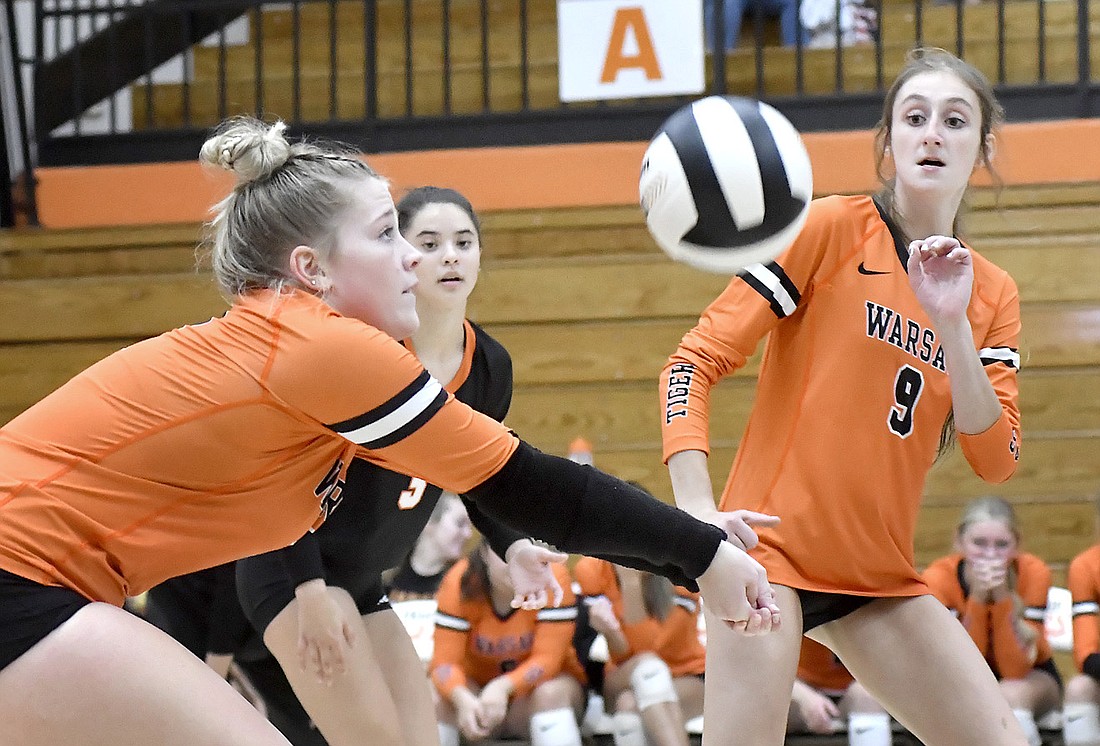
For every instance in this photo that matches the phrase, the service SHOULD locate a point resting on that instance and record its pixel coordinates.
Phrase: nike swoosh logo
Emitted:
(864, 271)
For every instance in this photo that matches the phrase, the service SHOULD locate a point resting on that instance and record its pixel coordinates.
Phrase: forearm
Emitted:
(618, 647)
(975, 619)
(973, 399)
(499, 535)
(1013, 653)
(691, 485)
(582, 510)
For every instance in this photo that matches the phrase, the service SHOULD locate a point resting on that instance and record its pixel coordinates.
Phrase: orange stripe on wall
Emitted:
(589, 174)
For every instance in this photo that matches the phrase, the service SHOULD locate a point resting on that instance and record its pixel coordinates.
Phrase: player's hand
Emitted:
(738, 525)
(735, 588)
(989, 578)
(532, 576)
(601, 616)
(941, 273)
(467, 716)
(325, 636)
(494, 703)
(818, 712)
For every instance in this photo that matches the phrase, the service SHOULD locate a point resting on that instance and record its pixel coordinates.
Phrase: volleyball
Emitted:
(726, 182)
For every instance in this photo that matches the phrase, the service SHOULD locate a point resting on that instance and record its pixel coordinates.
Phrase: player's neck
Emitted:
(426, 560)
(921, 216)
(502, 599)
(440, 341)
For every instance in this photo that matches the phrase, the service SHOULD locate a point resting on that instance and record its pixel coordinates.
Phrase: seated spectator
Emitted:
(411, 587)
(653, 681)
(825, 696)
(999, 594)
(501, 671)
(441, 543)
(1081, 711)
(826, 22)
(733, 14)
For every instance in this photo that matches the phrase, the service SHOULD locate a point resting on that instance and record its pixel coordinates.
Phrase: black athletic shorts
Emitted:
(265, 590)
(29, 611)
(821, 608)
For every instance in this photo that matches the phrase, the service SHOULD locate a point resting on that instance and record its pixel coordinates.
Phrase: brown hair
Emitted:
(474, 584)
(417, 199)
(657, 591)
(934, 59)
(924, 60)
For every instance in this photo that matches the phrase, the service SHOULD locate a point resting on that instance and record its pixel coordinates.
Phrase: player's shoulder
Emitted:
(488, 345)
(984, 268)
(561, 572)
(302, 320)
(847, 209)
(1030, 561)
(1032, 566)
(449, 594)
(452, 579)
(591, 572)
(946, 567)
(1086, 561)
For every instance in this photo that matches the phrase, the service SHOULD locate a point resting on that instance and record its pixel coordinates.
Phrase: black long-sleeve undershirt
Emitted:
(583, 510)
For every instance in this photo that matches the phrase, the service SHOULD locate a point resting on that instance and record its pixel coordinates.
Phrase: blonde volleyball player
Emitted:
(225, 439)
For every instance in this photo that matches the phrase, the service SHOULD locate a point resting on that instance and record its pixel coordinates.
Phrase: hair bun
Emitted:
(248, 147)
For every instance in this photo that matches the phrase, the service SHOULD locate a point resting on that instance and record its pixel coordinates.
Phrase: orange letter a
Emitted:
(632, 18)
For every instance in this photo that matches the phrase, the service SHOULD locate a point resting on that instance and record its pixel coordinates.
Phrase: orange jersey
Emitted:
(221, 440)
(852, 396)
(1084, 585)
(475, 644)
(675, 640)
(992, 626)
(820, 668)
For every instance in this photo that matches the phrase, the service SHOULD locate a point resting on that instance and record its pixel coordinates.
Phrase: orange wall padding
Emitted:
(542, 176)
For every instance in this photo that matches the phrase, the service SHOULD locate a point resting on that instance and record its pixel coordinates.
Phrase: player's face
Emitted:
(370, 271)
(935, 135)
(988, 540)
(450, 254)
(453, 530)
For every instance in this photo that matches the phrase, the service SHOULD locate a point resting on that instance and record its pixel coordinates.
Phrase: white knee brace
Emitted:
(448, 735)
(652, 683)
(1031, 730)
(869, 729)
(1081, 724)
(555, 728)
(629, 730)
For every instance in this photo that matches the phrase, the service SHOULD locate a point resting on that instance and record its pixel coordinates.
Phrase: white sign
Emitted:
(629, 48)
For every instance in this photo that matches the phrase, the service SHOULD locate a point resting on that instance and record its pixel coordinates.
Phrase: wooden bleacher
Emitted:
(324, 96)
(590, 309)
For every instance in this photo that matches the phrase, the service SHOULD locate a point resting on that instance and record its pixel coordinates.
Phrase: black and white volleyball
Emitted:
(726, 182)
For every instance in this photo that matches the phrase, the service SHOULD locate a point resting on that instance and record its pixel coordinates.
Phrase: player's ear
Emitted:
(307, 268)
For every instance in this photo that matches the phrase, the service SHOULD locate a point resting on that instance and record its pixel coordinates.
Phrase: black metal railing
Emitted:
(17, 182)
(413, 74)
